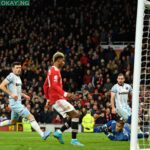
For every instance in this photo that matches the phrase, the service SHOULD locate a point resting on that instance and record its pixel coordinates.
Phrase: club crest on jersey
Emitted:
(55, 78)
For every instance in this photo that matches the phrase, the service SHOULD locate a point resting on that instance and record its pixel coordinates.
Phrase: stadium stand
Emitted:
(77, 28)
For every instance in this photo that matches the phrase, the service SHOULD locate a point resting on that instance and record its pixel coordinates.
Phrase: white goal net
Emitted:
(141, 79)
(145, 78)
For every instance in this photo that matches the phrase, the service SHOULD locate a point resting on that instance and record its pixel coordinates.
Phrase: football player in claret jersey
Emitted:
(12, 85)
(57, 97)
(119, 98)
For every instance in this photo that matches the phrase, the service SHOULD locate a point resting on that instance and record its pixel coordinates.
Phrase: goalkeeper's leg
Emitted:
(14, 119)
(8, 123)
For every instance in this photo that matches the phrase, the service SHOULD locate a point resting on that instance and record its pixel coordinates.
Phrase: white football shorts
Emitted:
(62, 106)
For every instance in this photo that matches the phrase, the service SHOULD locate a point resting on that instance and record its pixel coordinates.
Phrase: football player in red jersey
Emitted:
(57, 97)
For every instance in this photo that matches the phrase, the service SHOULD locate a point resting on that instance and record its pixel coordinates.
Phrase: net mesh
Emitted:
(145, 79)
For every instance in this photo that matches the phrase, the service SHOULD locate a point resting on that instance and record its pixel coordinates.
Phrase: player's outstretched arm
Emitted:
(70, 96)
(46, 88)
(112, 100)
(25, 96)
(3, 87)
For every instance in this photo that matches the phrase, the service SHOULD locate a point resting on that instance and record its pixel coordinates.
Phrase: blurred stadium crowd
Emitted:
(76, 28)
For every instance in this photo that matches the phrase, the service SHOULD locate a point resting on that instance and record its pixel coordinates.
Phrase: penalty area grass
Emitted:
(32, 141)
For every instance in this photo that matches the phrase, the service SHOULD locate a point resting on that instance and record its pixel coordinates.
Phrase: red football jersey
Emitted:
(53, 88)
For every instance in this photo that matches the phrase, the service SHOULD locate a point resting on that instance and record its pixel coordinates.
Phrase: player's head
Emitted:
(120, 78)
(119, 125)
(16, 68)
(59, 59)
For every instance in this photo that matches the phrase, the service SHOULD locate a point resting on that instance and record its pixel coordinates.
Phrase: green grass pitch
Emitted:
(31, 141)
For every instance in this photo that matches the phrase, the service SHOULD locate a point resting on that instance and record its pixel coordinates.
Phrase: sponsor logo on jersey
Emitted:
(123, 93)
(18, 84)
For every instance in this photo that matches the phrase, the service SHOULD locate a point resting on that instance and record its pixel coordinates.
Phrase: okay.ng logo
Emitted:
(14, 2)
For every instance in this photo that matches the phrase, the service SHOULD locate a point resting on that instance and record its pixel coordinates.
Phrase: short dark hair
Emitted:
(120, 74)
(120, 120)
(16, 63)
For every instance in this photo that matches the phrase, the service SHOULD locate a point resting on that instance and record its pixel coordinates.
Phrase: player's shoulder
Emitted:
(113, 121)
(115, 85)
(127, 85)
(11, 75)
(126, 125)
(113, 124)
(114, 88)
(53, 69)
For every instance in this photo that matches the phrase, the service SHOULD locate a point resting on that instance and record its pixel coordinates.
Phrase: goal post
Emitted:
(142, 37)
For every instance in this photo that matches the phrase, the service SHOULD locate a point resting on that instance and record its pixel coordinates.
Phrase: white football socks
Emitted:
(33, 123)
(36, 127)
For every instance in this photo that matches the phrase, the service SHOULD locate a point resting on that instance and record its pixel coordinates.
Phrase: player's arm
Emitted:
(109, 123)
(130, 94)
(112, 100)
(25, 96)
(111, 137)
(130, 90)
(46, 88)
(3, 87)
